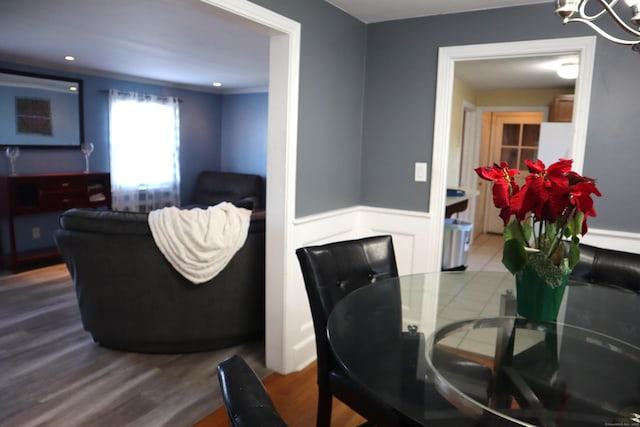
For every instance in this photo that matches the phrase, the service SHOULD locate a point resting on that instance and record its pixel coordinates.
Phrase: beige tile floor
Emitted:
(479, 296)
(485, 253)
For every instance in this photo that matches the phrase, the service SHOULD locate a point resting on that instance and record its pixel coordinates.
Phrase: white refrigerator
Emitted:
(555, 141)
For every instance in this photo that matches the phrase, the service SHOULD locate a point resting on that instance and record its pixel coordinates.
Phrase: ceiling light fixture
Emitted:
(216, 84)
(69, 58)
(568, 70)
(566, 9)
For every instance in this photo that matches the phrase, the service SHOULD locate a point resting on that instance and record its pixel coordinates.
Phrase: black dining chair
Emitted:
(598, 272)
(245, 398)
(330, 273)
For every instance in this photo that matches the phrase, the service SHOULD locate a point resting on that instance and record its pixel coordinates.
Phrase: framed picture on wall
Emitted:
(33, 116)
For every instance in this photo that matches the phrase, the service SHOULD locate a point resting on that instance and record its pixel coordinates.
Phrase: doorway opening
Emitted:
(284, 54)
(449, 57)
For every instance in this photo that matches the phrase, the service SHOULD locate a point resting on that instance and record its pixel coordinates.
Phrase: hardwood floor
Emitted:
(53, 374)
(295, 397)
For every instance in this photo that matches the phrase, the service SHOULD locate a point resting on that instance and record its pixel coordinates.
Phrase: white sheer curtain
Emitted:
(144, 144)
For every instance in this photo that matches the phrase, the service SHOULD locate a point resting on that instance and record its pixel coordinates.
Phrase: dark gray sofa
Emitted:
(131, 298)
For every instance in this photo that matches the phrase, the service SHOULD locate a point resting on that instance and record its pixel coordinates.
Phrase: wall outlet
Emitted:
(35, 232)
(420, 173)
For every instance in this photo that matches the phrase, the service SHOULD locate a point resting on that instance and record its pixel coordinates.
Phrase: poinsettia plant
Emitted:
(551, 207)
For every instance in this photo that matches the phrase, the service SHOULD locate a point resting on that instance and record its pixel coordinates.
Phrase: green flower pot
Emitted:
(537, 299)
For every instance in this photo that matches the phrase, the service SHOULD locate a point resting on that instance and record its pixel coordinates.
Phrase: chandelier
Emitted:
(574, 11)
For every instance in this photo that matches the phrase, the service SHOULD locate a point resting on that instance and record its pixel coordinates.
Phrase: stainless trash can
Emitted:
(455, 248)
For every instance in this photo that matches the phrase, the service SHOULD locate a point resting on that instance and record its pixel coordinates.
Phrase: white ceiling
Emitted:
(189, 43)
(535, 72)
(186, 42)
(370, 11)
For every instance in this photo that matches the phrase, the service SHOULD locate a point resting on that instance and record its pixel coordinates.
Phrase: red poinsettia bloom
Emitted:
(546, 192)
(581, 198)
(554, 197)
(504, 185)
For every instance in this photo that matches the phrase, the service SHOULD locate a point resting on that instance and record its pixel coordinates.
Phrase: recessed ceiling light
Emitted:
(73, 88)
(217, 84)
(69, 58)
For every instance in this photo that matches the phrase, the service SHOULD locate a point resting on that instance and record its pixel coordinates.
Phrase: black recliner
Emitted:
(243, 190)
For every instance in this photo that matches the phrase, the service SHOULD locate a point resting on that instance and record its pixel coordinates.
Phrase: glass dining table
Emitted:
(420, 340)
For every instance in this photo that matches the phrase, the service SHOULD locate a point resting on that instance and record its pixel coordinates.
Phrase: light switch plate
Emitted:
(421, 172)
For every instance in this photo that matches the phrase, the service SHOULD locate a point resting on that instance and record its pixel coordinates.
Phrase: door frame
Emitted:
(584, 47)
(284, 76)
(470, 156)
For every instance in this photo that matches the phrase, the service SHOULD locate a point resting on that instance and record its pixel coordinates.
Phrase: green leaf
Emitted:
(574, 252)
(578, 218)
(575, 224)
(520, 231)
(514, 257)
(510, 231)
(527, 232)
(550, 230)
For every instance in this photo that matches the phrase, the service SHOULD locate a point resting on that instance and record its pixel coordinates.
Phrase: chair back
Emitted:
(245, 398)
(334, 270)
(598, 271)
(608, 267)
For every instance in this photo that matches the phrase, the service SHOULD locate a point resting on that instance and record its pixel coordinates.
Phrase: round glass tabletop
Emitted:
(439, 347)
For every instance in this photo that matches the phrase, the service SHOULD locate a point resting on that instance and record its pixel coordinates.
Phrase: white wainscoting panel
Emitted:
(410, 232)
(413, 236)
(311, 230)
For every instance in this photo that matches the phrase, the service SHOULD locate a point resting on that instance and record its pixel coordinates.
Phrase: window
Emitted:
(144, 141)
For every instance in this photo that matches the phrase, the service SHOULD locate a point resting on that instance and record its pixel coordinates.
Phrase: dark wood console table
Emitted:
(22, 195)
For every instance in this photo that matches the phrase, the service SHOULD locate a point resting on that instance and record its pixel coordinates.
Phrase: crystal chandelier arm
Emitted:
(604, 34)
(608, 7)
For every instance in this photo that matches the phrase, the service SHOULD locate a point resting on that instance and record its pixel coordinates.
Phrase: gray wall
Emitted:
(244, 133)
(400, 105)
(332, 67)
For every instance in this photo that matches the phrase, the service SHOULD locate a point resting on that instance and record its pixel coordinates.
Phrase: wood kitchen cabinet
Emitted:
(561, 109)
(23, 195)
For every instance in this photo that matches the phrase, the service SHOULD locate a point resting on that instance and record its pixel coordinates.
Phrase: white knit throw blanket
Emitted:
(199, 243)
